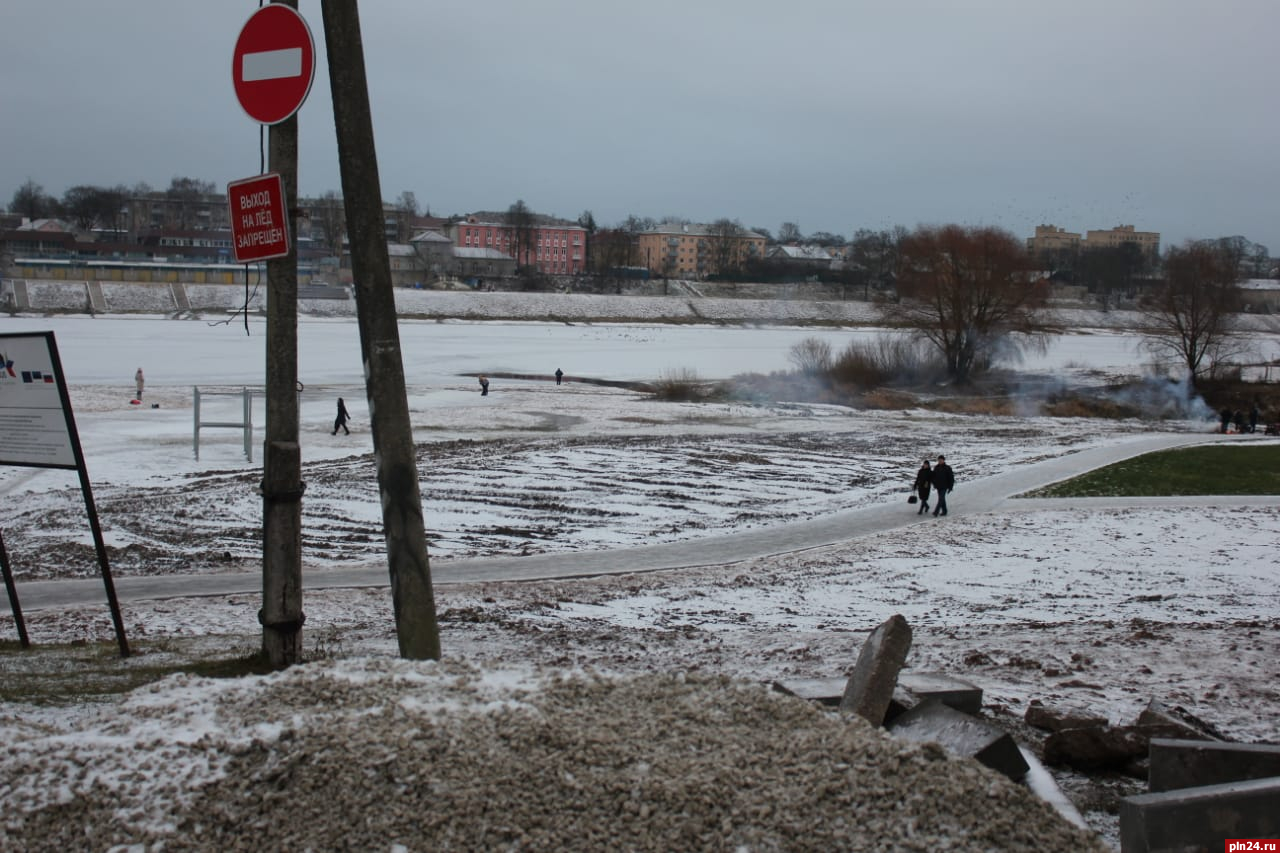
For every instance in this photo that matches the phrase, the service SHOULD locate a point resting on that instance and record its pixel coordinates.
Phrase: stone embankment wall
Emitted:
(25, 296)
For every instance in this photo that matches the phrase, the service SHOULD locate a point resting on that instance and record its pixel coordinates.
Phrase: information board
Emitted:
(35, 412)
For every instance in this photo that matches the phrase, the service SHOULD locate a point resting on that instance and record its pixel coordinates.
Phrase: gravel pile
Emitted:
(374, 754)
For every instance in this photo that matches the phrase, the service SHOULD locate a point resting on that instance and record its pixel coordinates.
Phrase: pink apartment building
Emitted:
(553, 248)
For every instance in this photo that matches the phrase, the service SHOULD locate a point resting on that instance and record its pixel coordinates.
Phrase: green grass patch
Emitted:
(1215, 470)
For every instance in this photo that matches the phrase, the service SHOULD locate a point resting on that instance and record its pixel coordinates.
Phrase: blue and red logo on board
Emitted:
(28, 376)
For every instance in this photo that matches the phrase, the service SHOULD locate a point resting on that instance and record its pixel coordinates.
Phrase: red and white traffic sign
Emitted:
(273, 64)
(259, 230)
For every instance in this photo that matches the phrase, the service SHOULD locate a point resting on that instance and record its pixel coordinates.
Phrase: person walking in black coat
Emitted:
(340, 423)
(559, 375)
(944, 481)
(924, 481)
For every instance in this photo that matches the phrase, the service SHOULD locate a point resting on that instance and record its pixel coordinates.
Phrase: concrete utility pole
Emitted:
(282, 485)
(402, 521)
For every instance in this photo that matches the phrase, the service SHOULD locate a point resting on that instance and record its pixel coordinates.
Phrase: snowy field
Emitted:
(1087, 606)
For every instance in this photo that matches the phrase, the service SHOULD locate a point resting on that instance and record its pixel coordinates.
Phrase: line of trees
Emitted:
(94, 207)
(971, 291)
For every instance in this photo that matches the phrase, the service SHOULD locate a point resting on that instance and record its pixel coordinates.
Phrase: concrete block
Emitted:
(1098, 748)
(949, 690)
(1200, 818)
(1177, 723)
(875, 675)
(963, 735)
(912, 689)
(1176, 764)
(1052, 719)
(825, 691)
(903, 700)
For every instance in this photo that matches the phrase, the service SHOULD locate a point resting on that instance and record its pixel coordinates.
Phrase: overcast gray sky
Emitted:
(833, 114)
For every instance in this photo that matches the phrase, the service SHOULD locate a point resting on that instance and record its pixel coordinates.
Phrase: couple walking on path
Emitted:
(939, 477)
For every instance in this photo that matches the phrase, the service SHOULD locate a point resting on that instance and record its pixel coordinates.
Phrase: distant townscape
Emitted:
(183, 234)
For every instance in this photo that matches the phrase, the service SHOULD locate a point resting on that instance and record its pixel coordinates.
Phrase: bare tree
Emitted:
(1190, 317)
(1259, 262)
(874, 257)
(406, 210)
(1110, 270)
(812, 356)
(523, 232)
(80, 203)
(31, 201)
(188, 193)
(588, 223)
(611, 248)
(966, 290)
(724, 239)
(826, 238)
(636, 224)
(329, 213)
(95, 207)
(789, 232)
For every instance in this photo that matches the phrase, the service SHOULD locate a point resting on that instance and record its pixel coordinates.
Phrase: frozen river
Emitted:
(107, 350)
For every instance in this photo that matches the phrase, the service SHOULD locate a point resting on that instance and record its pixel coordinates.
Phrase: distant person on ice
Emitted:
(559, 375)
(484, 386)
(138, 381)
(924, 480)
(944, 481)
(340, 423)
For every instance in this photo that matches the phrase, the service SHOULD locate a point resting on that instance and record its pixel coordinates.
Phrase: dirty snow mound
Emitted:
(375, 754)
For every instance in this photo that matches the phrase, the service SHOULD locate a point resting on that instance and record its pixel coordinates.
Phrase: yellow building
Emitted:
(1050, 238)
(1147, 241)
(697, 251)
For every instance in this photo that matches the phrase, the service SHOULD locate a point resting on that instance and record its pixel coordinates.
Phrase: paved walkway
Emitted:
(980, 496)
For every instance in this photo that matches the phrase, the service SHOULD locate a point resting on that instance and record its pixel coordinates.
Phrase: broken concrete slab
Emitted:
(1176, 764)
(1176, 722)
(912, 689)
(825, 691)
(1053, 719)
(1200, 818)
(947, 689)
(903, 700)
(962, 734)
(870, 686)
(1098, 747)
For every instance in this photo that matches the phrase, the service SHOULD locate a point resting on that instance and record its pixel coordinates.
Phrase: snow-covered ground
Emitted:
(1091, 607)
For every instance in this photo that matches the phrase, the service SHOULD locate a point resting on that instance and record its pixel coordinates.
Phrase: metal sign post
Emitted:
(245, 423)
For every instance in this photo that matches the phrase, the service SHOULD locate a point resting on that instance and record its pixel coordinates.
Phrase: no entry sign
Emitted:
(259, 230)
(273, 64)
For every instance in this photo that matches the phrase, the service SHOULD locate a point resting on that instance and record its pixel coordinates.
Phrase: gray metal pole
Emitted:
(412, 596)
(195, 414)
(12, 589)
(282, 485)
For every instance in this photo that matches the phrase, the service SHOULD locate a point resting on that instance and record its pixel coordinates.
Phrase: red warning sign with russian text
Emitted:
(259, 230)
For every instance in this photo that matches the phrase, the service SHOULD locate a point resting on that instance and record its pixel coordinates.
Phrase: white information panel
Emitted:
(34, 408)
